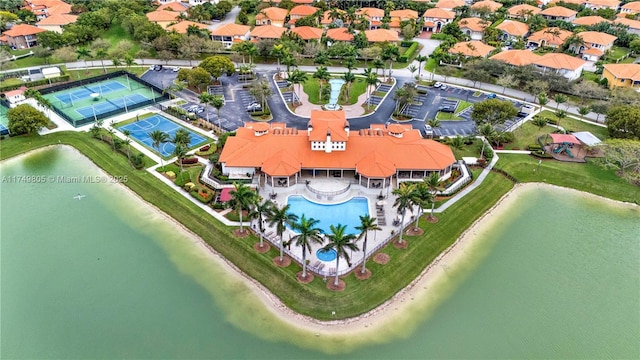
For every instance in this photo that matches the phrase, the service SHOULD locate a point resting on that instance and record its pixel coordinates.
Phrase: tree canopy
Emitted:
(624, 156)
(25, 119)
(493, 111)
(623, 121)
(218, 65)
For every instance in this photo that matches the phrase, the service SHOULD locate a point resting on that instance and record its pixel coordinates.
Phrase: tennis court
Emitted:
(89, 100)
(4, 121)
(140, 131)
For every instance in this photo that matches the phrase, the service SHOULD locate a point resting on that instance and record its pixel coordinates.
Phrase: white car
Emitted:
(176, 69)
(437, 85)
(443, 87)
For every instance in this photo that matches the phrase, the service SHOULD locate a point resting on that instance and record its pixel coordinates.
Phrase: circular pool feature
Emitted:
(328, 255)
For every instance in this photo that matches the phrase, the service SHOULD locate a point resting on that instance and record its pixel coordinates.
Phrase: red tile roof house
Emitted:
(372, 156)
(228, 34)
(300, 11)
(15, 96)
(373, 15)
(271, 16)
(634, 25)
(474, 27)
(512, 30)
(549, 37)
(21, 36)
(435, 19)
(595, 45)
(559, 13)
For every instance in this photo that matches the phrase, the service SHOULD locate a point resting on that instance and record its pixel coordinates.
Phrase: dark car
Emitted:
(447, 109)
(157, 67)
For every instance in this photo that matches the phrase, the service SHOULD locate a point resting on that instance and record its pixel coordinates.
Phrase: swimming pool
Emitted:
(346, 213)
(328, 255)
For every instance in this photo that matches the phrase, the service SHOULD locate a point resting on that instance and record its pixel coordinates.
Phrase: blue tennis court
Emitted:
(111, 105)
(140, 131)
(85, 92)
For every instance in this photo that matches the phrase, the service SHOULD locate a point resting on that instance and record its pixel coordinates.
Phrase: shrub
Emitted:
(409, 53)
(534, 147)
(137, 160)
(189, 161)
(189, 186)
(201, 194)
(541, 154)
(171, 174)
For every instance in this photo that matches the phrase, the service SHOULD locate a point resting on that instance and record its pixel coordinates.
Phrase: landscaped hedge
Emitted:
(29, 84)
(207, 150)
(404, 58)
(202, 194)
(534, 147)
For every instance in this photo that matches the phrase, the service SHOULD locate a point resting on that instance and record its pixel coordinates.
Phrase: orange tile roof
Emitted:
(516, 57)
(326, 19)
(53, 7)
(439, 14)
(575, 2)
(589, 20)
(513, 27)
(162, 15)
(58, 19)
(471, 48)
(474, 24)
(339, 34)
(489, 4)
(612, 4)
(593, 51)
(558, 11)
(523, 9)
(633, 6)
(624, 71)
(559, 61)
(450, 4)
(183, 26)
(371, 12)
(632, 24)
(594, 37)
(23, 30)
(231, 30)
(308, 32)
(374, 152)
(267, 32)
(272, 13)
(404, 14)
(303, 10)
(173, 6)
(551, 36)
(381, 35)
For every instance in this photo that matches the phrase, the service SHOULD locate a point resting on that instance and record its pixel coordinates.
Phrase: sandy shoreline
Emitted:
(395, 309)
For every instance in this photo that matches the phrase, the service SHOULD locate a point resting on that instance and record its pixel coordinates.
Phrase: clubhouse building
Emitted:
(372, 158)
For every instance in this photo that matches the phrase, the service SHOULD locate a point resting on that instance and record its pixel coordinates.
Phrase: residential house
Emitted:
(328, 20)
(339, 34)
(164, 18)
(568, 66)
(375, 157)
(552, 37)
(201, 2)
(595, 45)
(602, 4)
(450, 4)
(15, 96)
(381, 35)
(512, 30)
(373, 15)
(271, 16)
(589, 20)
(473, 27)
(485, 7)
(622, 75)
(176, 6)
(300, 11)
(228, 34)
(630, 9)
(22, 36)
(398, 16)
(471, 49)
(266, 32)
(183, 26)
(45, 8)
(435, 19)
(634, 25)
(559, 13)
(522, 12)
(516, 57)
(308, 33)
(56, 22)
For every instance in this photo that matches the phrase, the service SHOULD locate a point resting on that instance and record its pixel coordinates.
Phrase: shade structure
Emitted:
(225, 195)
(564, 138)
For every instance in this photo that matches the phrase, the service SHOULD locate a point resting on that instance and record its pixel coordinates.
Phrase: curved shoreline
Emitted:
(393, 310)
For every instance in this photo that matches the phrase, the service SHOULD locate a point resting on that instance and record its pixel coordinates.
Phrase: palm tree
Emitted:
(584, 110)
(422, 197)
(322, 74)
(378, 64)
(340, 242)
(389, 53)
(265, 92)
(281, 218)
(542, 99)
(456, 142)
(217, 102)
(242, 198)
(206, 99)
(129, 61)
(83, 54)
(561, 114)
(101, 54)
(158, 137)
(404, 201)
(367, 223)
(307, 233)
(181, 137)
(116, 62)
(420, 59)
(487, 131)
(540, 122)
(349, 78)
(127, 134)
(260, 212)
(180, 152)
(297, 77)
(412, 69)
(559, 99)
(432, 182)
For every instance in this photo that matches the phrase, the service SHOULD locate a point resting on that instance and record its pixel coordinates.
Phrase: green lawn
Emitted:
(472, 150)
(115, 34)
(430, 65)
(573, 125)
(616, 53)
(526, 135)
(588, 177)
(463, 105)
(591, 76)
(312, 88)
(447, 116)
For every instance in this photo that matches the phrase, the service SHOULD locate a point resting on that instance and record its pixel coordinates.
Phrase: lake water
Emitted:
(104, 277)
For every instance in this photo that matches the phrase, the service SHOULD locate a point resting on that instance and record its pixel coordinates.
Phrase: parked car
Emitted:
(254, 107)
(200, 109)
(437, 85)
(157, 67)
(491, 96)
(443, 87)
(175, 69)
(448, 109)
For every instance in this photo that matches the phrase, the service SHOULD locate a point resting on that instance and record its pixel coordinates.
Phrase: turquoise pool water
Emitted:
(326, 255)
(346, 213)
(336, 85)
